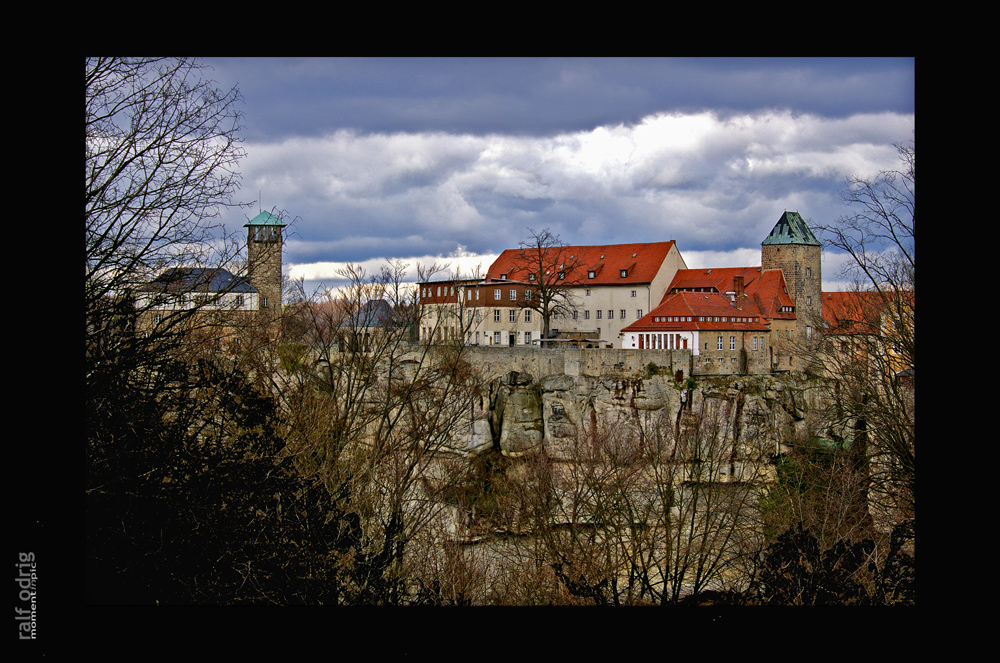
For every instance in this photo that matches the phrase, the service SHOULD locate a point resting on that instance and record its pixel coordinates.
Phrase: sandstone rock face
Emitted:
(759, 415)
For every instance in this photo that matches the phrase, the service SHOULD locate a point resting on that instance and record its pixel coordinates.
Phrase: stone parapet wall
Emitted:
(494, 362)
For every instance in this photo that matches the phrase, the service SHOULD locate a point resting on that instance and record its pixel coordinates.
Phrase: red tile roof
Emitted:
(719, 279)
(855, 312)
(707, 311)
(763, 298)
(641, 262)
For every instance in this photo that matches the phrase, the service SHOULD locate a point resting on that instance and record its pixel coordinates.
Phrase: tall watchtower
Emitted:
(793, 248)
(264, 257)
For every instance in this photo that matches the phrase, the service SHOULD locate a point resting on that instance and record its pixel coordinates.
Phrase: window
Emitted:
(586, 315)
(809, 301)
(562, 275)
(720, 343)
(755, 343)
(496, 338)
(732, 342)
(624, 273)
(527, 338)
(611, 314)
(809, 271)
(496, 294)
(503, 277)
(513, 295)
(527, 315)
(588, 292)
(591, 274)
(574, 314)
(598, 314)
(633, 293)
(479, 317)
(622, 314)
(263, 302)
(531, 276)
(157, 318)
(239, 300)
(496, 315)
(512, 316)
(527, 295)
(638, 313)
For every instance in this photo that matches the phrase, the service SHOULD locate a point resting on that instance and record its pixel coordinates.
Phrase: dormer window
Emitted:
(624, 273)
(531, 277)
(591, 274)
(562, 275)
(503, 277)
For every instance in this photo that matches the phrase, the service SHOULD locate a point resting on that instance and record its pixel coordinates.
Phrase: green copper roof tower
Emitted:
(264, 260)
(793, 248)
(791, 229)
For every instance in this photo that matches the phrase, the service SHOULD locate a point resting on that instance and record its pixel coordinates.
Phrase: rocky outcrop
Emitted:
(759, 415)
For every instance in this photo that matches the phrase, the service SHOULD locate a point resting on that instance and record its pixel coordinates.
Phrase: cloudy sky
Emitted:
(453, 160)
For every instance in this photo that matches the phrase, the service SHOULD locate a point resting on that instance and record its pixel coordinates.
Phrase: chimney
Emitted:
(738, 291)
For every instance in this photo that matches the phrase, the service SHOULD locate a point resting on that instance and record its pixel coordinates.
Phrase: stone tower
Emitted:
(793, 248)
(264, 260)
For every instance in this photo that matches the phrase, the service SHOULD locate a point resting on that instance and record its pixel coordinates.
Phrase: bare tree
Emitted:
(870, 350)
(371, 414)
(162, 147)
(647, 515)
(550, 269)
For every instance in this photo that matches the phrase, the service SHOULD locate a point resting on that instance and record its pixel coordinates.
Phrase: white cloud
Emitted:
(698, 178)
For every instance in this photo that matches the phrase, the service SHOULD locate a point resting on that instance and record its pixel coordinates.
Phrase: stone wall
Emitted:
(496, 361)
(608, 362)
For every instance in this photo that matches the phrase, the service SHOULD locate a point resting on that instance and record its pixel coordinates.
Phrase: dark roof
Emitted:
(374, 313)
(198, 279)
(791, 229)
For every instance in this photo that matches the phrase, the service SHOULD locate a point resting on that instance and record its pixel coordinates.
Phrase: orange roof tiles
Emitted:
(763, 299)
(855, 312)
(641, 263)
(718, 278)
(706, 310)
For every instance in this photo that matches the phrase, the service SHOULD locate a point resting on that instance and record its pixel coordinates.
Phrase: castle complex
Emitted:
(643, 296)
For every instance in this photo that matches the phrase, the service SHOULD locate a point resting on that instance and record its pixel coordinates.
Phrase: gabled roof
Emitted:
(791, 229)
(772, 294)
(766, 287)
(716, 309)
(719, 279)
(640, 261)
(198, 279)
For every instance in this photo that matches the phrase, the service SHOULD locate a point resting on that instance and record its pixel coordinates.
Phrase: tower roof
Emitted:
(791, 229)
(265, 219)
